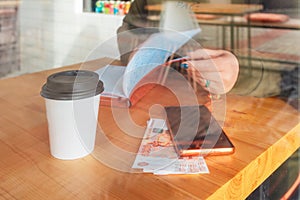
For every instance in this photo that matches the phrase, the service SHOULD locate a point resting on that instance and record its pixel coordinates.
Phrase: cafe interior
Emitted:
(135, 152)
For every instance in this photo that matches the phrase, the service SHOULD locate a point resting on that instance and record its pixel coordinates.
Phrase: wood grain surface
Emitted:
(214, 8)
(8, 3)
(265, 132)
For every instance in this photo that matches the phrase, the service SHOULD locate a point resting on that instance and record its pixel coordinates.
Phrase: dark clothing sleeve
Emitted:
(137, 15)
(135, 28)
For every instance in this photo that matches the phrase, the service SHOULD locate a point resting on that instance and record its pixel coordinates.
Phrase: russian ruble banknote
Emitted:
(157, 154)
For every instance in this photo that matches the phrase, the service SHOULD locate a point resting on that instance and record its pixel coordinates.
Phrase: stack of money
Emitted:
(157, 154)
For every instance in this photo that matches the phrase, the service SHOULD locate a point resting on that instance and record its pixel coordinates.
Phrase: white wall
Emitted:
(55, 33)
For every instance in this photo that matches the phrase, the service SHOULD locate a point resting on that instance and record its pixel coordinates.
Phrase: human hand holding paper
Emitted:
(215, 70)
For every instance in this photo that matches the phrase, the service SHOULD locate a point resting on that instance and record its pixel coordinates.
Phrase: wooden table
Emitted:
(212, 8)
(265, 132)
(9, 3)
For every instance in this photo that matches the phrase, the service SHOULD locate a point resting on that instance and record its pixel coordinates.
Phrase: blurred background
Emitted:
(37, 35)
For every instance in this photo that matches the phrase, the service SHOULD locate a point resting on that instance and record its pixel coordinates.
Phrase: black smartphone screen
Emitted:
(195, 131)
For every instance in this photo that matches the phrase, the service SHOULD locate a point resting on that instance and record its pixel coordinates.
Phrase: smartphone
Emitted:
(194, 131)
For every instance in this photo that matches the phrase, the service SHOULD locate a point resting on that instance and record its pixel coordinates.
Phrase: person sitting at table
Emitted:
(225, 66)
(215, 70)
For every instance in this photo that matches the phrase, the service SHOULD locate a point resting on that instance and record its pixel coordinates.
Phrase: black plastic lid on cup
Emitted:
(72, 85)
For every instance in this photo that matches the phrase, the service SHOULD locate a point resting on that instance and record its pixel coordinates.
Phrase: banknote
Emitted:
(157, 154)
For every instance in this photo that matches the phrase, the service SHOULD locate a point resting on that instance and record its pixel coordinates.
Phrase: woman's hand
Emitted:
(214, 70)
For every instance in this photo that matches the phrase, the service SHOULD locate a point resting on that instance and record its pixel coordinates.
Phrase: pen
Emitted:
(181, 59)
(186, 58)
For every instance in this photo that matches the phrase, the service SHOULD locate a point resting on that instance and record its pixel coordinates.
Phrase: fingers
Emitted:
(221, 70)
(207, 81)
(220, 61)
(205, 54)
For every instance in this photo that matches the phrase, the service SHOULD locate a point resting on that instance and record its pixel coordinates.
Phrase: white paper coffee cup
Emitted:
(72, 102)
